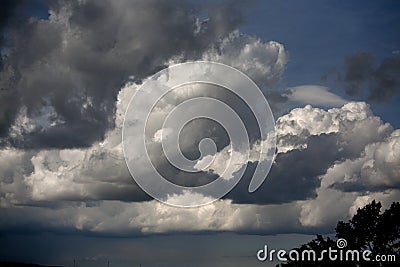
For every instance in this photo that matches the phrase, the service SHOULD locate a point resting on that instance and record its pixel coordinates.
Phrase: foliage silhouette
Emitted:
(369, 229)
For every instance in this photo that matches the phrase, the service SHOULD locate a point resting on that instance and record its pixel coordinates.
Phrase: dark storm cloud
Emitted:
(358, 69)
(321, 152)
(7, 110)
(7, 11)
(387, 79)
(76, 61)
(381, 81)
(292, 177)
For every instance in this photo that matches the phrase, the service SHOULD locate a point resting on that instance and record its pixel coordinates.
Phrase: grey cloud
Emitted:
(263, 62)
(387, 81)
(375, 170)
(7, 108)
(78, 59)
(358, 69)
(361, 73)
(68, 70)
(7, 12)
(117, 218)
(297, 182)
(311, 141)
(86, 190)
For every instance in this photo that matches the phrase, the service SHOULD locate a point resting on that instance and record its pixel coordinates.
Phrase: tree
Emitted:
(368, 230)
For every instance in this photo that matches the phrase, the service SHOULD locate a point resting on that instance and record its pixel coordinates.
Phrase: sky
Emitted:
(329, 70)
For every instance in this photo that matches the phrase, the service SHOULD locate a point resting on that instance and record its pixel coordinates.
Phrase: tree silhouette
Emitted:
(368, 230)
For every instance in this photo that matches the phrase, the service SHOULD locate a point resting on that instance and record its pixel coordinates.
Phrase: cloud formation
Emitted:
(315, 95)
(75, 73)
(73, 64)
(263, 62)
(381, 81)
(87, 189)
(50, 174)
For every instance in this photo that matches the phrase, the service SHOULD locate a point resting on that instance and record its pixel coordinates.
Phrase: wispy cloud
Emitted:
(315, 95)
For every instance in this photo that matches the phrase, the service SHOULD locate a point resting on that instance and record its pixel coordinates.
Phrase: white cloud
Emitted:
(377, 167)
(315, 95)
(371, 172)
(188, 198)
(88, 185)
(154, 217)
(264, 62)
(162, 134)
(353, 121)
(98, 173)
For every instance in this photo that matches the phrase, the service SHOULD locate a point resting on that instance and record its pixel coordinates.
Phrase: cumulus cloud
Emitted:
(310, 141)
(195, 131)
(64, 99)
(376, 169)
(264, 62)
(76, 61)
(99, 171)
(94, 173)
(345, 170)
(111, 217)
(67, 81)
(352, 120)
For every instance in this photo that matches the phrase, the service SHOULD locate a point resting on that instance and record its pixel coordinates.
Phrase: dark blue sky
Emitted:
(320, 34)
